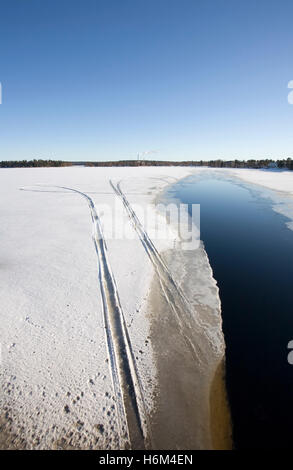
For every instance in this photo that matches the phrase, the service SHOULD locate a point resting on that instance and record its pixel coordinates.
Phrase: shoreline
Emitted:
(190, 394)
(196, 392)
(76, 383)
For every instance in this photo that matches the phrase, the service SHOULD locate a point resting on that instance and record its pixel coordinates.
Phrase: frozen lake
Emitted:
(83, 332)
(63, 383)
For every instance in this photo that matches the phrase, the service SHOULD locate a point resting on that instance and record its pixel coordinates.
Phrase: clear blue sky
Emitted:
(105, 79)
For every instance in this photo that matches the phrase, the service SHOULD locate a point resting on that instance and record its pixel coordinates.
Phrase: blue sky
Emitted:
(106, 79)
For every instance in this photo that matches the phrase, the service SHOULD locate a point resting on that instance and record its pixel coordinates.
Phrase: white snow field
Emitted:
(83, 325)
(60, 374)
(272, 179)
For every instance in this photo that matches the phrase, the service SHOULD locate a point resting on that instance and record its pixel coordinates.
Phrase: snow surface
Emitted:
(273, 179)
(56, 386)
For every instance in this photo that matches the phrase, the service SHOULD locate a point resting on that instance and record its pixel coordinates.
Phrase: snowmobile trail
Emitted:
(133, 429)
(187, 320)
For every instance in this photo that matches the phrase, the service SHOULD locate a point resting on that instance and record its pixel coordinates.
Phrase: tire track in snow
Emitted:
(132, 416)
(171, 291)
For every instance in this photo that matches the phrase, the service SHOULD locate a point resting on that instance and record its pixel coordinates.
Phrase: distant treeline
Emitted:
(33, 163)
(285, 163)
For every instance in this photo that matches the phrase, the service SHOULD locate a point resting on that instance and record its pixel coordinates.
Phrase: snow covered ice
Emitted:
(58, 386)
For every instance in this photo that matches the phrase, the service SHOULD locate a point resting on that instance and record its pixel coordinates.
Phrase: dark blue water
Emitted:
(251, 253)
